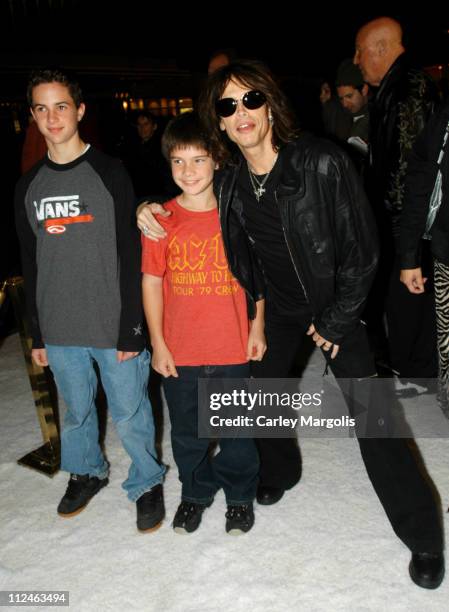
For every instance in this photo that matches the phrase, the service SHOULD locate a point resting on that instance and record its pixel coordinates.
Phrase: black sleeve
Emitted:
(419, 182)
(356, 247)
(27, 240)
(411, 115)
(117, 181)
(131, 336)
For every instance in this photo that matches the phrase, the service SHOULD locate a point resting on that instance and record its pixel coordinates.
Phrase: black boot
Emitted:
(427, 569)
(266, 496)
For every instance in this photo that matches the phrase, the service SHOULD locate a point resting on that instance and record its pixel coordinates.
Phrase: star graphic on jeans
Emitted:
(138, 330)
(84, 208)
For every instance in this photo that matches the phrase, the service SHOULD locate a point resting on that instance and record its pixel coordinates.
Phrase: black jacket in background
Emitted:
(420, 180)
(400, 108)
(328, 226)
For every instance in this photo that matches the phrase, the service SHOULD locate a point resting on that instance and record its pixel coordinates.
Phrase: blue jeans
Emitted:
(125, 385)
(235, 467)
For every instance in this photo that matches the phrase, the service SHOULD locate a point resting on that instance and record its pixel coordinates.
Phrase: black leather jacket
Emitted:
(399, 110)
(329, 230)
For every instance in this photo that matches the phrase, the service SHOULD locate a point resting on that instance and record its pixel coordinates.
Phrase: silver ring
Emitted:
(145, 229)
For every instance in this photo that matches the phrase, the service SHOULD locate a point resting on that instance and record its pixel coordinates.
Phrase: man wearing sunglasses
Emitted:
(297, 203)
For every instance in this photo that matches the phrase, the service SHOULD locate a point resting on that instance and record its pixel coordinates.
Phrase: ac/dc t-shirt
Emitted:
(205, 314)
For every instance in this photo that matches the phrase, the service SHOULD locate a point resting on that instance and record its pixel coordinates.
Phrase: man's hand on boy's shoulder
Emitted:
(147, 223)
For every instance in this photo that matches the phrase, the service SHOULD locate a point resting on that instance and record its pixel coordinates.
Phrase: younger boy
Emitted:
(197, 316)
(81, 257)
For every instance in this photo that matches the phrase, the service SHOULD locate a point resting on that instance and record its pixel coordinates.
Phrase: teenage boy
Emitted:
(198, 320)
(81, 258)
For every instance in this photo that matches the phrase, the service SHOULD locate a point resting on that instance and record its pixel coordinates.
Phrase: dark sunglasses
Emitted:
(251, 99)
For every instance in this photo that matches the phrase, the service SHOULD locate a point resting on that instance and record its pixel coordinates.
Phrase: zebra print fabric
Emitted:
(442, 314)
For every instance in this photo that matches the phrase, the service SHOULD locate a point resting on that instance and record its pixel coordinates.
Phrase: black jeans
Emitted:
(402, 488)
(235, 467)
(412, 328)
(411, 341)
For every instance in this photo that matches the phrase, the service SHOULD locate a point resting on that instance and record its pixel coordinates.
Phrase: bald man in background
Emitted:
(404, 99)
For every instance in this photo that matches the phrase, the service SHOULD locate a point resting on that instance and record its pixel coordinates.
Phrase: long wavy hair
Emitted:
(254, 75)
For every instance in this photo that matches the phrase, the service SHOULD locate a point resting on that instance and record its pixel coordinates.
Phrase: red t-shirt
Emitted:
(205, 315)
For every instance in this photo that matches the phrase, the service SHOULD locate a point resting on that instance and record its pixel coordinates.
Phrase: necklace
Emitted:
(259, 185)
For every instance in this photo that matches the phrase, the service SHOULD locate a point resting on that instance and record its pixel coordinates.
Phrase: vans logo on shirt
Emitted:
(56, 229)
(57, 212)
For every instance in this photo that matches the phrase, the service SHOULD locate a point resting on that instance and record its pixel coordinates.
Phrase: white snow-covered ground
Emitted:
(327, 546)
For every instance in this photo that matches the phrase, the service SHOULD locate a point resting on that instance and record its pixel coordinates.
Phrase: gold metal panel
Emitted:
(45, 459)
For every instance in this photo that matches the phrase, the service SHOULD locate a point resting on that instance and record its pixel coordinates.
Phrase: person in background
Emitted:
(426, 212)
(144, 161)
(220, 58)
(353, 93)
(336, 123)
(404, 99)
(34, 147)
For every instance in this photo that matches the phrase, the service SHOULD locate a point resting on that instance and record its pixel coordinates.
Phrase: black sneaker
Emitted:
(150, 509)
(239, 519)
(188, 517)
(80, 491)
